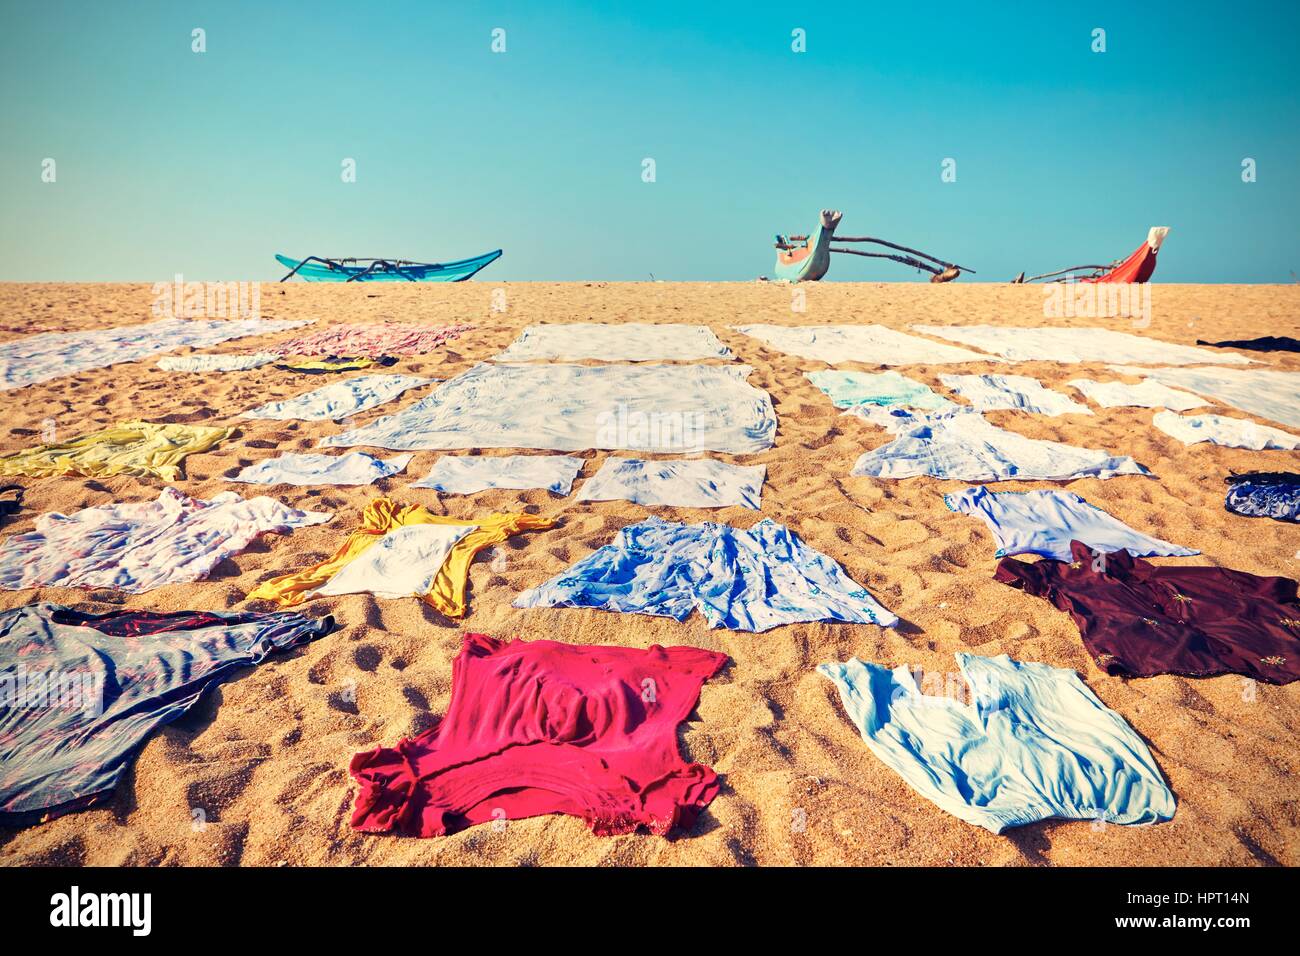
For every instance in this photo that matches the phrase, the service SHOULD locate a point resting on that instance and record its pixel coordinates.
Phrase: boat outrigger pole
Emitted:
(949, 271)
(807, 258)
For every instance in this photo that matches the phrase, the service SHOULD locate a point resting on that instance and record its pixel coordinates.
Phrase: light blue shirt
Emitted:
(1034, 743)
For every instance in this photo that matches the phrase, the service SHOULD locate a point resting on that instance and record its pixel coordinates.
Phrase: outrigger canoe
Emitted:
(808, 258)
(322, 269)
(1138, 267)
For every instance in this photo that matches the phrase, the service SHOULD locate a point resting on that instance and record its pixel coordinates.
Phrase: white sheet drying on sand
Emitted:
(869, 344)
(465, 475)
(624, 342)
(37, 358)
(990, 392)
(403, 563)
(140, 546)
(962, 444)
(685, 483)
(677, 408)
(1146, 394)
(226, 362)
(1264, 393)
(339, 399)
(1048, 344)
(354, 468)
(1221, 430)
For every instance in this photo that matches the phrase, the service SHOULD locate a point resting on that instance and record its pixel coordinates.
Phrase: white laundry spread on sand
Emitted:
(225, 362)
(1146, 394)
(37, 358)
(403, 563)
(339, 399)
(869, 344)
(1222, 430)
(667, 408)
(465, 474)
(1054, 344)
(1045, 522)
(354, 468)
(1265, 393)
(140, 546)
(685, 483)
(962, 444)
(623, 342)
(990, 392)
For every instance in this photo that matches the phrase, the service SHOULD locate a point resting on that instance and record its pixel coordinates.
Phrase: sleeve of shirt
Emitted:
(1030, 578)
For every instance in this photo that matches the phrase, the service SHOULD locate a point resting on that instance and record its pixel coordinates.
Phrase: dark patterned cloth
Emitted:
(1266, 343)
(1264, 494)
(11, 500)
(1138, 619)
(81, 693)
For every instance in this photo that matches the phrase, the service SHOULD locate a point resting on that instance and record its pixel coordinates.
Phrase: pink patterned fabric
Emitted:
(372, 340)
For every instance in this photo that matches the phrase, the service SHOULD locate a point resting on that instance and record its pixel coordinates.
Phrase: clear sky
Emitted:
(170, 161)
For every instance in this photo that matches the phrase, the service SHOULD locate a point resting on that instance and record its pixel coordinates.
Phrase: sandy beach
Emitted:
(264, 757)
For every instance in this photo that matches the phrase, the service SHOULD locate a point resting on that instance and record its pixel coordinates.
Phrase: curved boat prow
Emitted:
(812, 260)
(1141, 265)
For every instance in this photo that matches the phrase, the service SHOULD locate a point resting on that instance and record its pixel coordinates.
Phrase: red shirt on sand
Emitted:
(538, 727)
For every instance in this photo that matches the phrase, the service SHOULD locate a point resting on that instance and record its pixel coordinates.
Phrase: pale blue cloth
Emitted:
(465, 474)
(1222, 430)
(684, 483)
(1045, 522)
(1033, 744)
(960, 443)
(354, 468)
(339, 399)
(988, 393)
(847, 389)
(751, 580)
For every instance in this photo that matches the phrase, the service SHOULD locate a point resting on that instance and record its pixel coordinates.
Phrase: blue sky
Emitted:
(206, 164)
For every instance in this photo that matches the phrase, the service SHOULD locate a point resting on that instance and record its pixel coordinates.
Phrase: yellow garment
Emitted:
(129, 448)
(331, 364)
(382, 515)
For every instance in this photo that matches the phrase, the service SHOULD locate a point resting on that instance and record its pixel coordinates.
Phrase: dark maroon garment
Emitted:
(1138, 619)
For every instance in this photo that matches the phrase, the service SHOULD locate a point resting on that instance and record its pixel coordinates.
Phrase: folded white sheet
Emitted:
(339, 399)
(354, 468)
(685, 483)
(1221, 430)
(871, 344)
(622, 342)
(465, 474)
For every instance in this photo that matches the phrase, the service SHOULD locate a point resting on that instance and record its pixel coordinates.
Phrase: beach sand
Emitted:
(264, 757)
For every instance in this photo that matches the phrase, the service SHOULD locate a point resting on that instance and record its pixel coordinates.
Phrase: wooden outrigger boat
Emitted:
(322, 269)
(1138, 267)
(808, 258)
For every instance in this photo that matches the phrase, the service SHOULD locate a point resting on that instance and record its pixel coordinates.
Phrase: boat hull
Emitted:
(457, 271)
